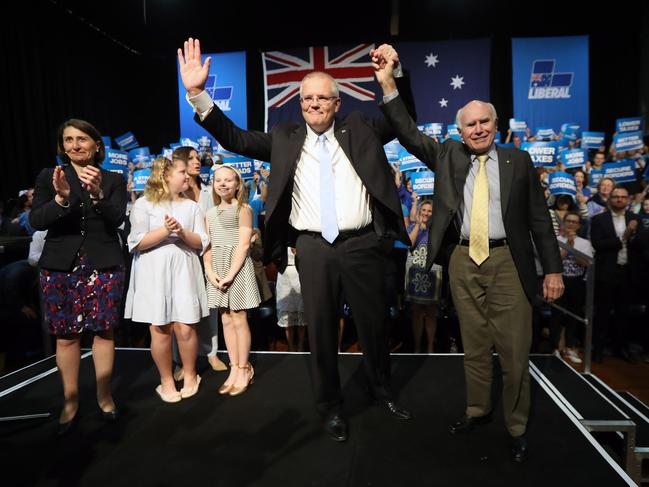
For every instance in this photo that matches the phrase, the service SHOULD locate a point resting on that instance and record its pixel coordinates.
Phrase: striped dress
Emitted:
(243, 293)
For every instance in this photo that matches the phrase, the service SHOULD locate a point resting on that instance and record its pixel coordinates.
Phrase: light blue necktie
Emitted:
(328, 218)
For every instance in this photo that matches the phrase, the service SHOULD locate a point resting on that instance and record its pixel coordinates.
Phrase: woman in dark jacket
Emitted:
(82, 266)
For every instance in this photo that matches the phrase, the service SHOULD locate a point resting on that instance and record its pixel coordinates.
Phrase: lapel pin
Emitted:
(508, 161)
(343, 131)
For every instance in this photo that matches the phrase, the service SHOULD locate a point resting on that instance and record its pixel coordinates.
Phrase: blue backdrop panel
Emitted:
(226, 85)
(550, 77)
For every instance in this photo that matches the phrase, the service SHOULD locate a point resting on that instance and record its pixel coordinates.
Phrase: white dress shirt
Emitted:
(353, 209)
(619, 222)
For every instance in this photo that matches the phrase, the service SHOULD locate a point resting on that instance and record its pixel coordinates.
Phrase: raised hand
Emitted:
(60, 183)
(193, 71)
(384, 60)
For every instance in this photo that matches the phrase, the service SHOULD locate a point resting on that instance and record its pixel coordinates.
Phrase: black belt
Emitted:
(342, 235)
(500, 242)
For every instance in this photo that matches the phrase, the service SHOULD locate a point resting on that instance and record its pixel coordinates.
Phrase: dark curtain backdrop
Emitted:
(122, 76)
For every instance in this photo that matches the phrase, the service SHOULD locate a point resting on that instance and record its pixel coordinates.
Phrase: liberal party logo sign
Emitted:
(546, 84)
(220, 94)
(550, 78)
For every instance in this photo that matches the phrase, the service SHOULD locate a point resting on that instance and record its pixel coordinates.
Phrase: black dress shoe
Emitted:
(109, 416)
(64, 428)
(336, 426)
(395, 410)
(520, 448)
(468, 423)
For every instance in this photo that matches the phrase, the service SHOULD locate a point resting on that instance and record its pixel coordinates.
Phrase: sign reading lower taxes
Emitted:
(434, 129)
(632, 124)
(423, 182)
(542, 153)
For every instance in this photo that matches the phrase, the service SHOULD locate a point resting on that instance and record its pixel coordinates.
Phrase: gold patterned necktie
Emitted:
(479, 237)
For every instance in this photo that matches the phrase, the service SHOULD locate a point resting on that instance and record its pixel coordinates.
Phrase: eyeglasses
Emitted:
(620, 196)
(576, 222)
(324, 100)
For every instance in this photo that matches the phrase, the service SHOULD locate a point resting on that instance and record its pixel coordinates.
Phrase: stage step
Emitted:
(639, 414)
(593, 408)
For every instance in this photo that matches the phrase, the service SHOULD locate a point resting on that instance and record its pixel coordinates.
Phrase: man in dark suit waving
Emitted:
(488, 208)
(332, 193)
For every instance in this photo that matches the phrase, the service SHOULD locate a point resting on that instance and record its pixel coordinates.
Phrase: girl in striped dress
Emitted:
(231, 284)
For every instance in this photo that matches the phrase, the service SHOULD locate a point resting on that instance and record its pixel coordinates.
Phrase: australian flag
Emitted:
(444, 77)
(543, 75)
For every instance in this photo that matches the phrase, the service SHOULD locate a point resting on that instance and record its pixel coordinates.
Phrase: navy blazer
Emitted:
(82, 224)
(524, 210)
(607, 244)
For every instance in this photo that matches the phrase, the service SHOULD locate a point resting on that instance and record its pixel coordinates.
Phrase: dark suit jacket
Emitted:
(81, 224)
(607, 244)
(525, 213)
(361, 138)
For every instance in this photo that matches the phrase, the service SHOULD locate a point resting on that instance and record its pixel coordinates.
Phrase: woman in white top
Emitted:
(167, 288)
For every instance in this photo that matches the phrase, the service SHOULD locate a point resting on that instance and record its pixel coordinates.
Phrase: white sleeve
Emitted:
(199, 227)
(139, 218)
(201, 103)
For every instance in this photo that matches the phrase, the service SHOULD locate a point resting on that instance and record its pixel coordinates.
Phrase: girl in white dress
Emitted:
(231, 286)
(167, 288)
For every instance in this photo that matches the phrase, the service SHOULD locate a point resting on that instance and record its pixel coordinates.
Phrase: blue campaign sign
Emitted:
(226, 84)
(632, 124)
(592, 140)
(550, 80)
(116, 161)
(453, 132)
(434, 129)
(392, 150)
(127, 141)
(545, 133)
(140, 178)
(167, 152)
(187, 142)
(423, 182)
(140, 157)
(628, 141)
(507, 145)
(561, 182)
(574, 157)
(243, 164)
(205, 143)
(106, 141)
(594, 177)
(645, 174)
(517, 125)
(408, 162)
(620, 172)
(542, 153)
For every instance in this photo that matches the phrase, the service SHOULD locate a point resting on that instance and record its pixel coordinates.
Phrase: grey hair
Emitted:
(321, 74)
(459, 112)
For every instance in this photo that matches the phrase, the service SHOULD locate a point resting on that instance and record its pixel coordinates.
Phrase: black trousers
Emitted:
(355, 266)
(572, 299)
(612, 296)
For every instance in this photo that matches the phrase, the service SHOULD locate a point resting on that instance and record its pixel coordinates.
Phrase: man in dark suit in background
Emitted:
(332, 193)
(611, 234)
(488, 208)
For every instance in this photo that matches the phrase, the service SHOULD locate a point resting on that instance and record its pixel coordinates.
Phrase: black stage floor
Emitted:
(271, 436)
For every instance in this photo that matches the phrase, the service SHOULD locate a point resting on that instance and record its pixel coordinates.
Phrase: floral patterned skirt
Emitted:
(84, 299)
